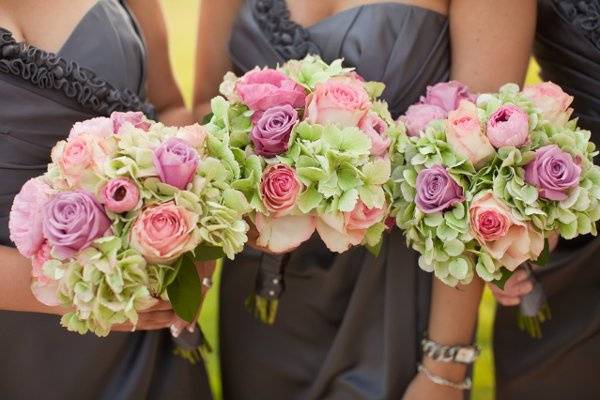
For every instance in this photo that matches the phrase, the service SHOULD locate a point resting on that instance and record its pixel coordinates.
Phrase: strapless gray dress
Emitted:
(348, 325)
(565, 363)
(100, 69)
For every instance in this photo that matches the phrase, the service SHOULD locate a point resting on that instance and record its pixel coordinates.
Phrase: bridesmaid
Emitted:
(60, 62)
(349, 326)
(564, 363)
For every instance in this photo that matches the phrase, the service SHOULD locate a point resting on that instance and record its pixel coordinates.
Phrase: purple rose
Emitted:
(271, 131)
(436, 190)
(508, 126)
(447, 95)
(72, 221)
(553, 172)
(176, 162)
(418, 116)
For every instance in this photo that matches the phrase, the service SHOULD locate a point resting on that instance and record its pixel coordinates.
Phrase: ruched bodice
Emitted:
(349, 324)
(100, 69)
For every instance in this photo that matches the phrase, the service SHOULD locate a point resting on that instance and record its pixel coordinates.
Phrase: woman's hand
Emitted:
(519, 284)
(159, 316)
(421, 388)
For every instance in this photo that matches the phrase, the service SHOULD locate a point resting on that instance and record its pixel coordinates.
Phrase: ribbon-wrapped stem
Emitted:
(264, 302)
(534, 309)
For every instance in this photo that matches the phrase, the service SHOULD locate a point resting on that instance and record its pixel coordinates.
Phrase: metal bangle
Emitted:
(438, 380)
(443, 353)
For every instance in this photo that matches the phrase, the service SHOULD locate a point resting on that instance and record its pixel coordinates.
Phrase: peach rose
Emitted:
(341, 231)
(551, 100)
(164, 232)
(279, 189)
(465, 135)
(509, 241)
(341, 101)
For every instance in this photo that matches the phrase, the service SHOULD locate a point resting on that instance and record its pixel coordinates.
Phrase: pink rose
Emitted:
(195, 135)
(100, 127)
(418, 116)
(465, 136)
(263, 89)
(447, 95)
(176, 162)
(376, 128)
(279, 189)
(341, 101)
(164, 232)
(509, 241)
(26, 216)
(120, 195)
(80, 155)
(340, 231)
(508, 126)
(136, 119)
(551, 101)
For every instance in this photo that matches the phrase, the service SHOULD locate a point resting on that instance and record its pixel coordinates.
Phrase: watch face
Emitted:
(465, 355)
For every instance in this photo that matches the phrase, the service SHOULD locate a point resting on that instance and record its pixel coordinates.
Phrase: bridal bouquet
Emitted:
(125, 209)
(312, 142)
(480, 182)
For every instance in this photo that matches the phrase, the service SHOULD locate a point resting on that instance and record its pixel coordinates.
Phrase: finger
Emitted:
(178, 325)
(516, 278)
(508, 301)
(163, 319)
(522, 288)
(128, 327)
(161, 305)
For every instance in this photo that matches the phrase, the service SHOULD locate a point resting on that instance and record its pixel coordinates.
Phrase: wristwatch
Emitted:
(440, 352)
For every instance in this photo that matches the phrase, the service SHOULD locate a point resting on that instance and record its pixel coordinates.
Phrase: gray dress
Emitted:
(565, 363)
(348, 325)
(101, 68)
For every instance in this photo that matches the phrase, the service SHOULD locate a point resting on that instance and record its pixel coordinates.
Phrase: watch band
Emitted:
(442, 353)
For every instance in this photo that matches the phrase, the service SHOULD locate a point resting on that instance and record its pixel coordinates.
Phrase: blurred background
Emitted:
(182, 16)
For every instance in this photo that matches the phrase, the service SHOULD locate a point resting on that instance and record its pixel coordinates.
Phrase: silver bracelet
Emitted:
(438, 380)
(442, 353)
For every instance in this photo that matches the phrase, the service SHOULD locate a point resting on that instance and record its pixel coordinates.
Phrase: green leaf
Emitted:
(206, 119)
(311, 174)
(309, 132)
(505, 275)
(434, 219)
(208, 253)
(348, 178)
(544, 256)
(377, 172)
(185, 292)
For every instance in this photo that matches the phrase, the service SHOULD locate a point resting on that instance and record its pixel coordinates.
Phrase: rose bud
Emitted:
(508, 126)
(447, 95)
(120, 195)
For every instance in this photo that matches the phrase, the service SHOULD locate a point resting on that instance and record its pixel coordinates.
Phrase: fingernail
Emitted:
(175, 331)
(191, 328)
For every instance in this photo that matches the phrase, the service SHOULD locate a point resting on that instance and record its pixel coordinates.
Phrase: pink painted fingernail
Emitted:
(191, 328)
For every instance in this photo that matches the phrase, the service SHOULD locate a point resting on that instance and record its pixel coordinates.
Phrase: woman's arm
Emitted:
(212, 56)
(491, 45)
(163, 91)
